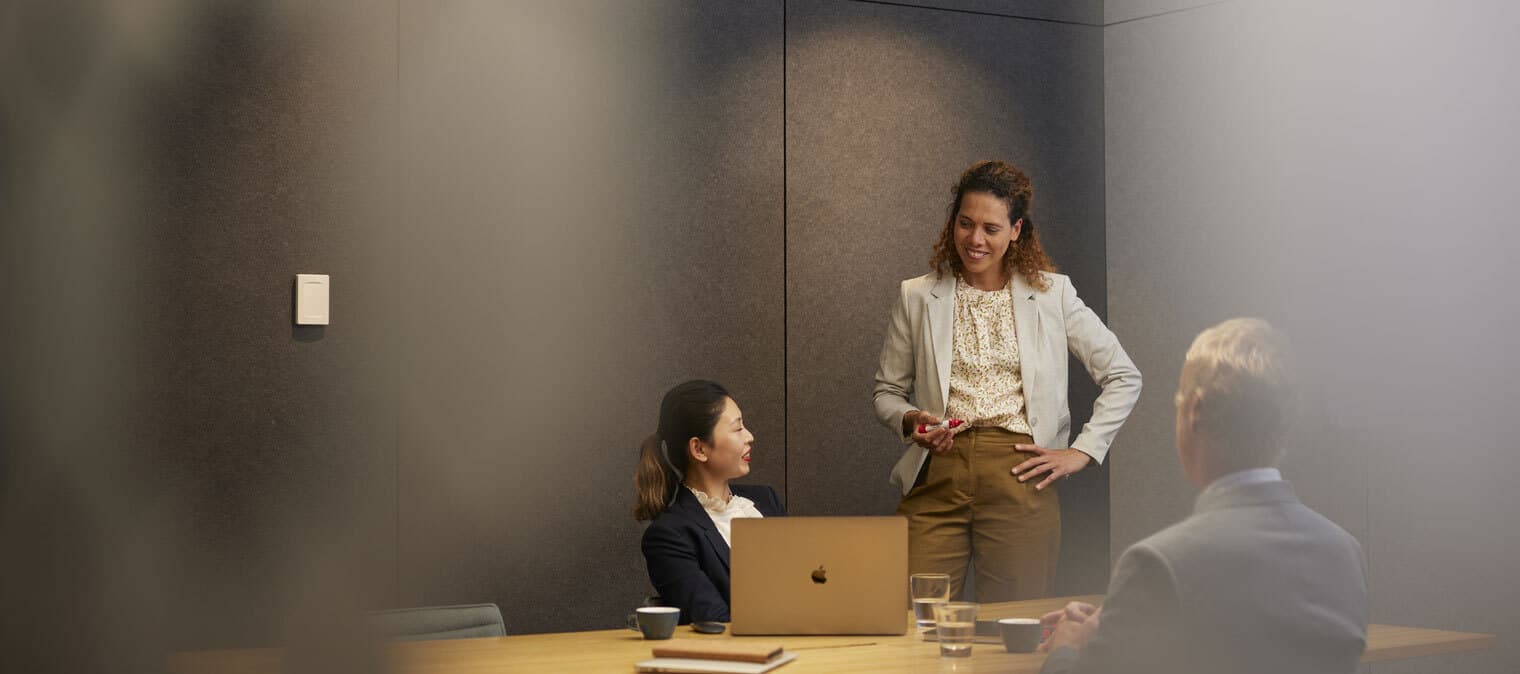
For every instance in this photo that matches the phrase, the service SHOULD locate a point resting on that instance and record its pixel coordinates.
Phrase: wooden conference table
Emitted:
(618, 650)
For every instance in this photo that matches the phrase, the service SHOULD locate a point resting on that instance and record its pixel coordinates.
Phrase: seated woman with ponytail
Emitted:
(682, 481)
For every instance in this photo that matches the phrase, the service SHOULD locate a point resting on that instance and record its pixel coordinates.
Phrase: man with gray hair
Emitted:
(1253, 580)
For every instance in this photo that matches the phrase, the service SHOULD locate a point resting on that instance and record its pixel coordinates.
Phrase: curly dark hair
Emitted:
(1004, 181)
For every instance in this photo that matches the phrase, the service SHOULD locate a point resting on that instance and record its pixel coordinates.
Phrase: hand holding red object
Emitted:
(952, 424)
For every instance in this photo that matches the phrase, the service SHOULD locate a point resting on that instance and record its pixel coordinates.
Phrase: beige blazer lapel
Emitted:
(1026, 321)
(941, 312)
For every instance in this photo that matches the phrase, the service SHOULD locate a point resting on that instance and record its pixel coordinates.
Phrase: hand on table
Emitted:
(1072, 632)
(1057, 462)
(1078, 611)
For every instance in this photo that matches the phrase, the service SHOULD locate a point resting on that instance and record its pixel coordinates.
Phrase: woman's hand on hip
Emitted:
(937, 440)
(1058, 463)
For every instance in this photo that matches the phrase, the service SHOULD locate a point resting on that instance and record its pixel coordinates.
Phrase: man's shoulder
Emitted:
(1314, 523)
(1224, 532)
(1175, 535)
(1185, 538)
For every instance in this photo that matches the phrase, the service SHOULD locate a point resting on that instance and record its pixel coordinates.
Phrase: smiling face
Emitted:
(983, 234)
(727, 456)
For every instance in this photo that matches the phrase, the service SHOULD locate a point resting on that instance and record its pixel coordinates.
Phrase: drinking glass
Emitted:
(927, 590)
(955, 623)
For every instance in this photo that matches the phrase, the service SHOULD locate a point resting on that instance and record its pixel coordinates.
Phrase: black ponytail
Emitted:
(690, 410)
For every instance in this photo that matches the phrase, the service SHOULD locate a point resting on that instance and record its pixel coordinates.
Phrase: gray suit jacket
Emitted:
(915, 364)
(1253, 581)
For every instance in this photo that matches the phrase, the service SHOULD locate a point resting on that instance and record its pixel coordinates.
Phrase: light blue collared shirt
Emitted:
(1237, 479)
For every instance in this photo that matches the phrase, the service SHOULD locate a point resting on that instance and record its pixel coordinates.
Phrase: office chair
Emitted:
(464, 621)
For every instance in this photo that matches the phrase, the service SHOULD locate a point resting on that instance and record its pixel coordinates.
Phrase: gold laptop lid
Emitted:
(819, 575)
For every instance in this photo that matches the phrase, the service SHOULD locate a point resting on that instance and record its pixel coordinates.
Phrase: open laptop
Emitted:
(819, 575)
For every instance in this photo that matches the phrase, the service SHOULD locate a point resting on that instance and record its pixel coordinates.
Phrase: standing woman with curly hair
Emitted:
(980, 343)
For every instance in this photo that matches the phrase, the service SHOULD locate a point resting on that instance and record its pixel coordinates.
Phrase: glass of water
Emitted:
(927, 590)
(955, 623)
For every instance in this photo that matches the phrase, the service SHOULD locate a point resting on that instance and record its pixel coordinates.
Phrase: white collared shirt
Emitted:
(723, 513)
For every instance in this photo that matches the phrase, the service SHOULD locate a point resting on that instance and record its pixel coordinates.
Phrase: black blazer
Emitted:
(687, 558)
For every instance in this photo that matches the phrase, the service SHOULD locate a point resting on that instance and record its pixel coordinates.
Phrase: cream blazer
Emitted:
(915, 364)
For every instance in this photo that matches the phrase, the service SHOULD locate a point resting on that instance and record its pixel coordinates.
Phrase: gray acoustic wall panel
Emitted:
(592, 213)
(69, 352)
(1120, 11)
(1088, 12)
(273, 436)
(205, 466)
(886, 105)
(537, 217)
(1185, 220)
(1291, 160)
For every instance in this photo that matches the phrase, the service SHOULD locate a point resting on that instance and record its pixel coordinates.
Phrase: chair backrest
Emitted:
(463, 621)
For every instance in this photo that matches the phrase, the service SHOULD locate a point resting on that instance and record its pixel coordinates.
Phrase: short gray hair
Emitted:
(1241, 372)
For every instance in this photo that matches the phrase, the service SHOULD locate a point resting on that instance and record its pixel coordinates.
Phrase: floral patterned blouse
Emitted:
(986, 385)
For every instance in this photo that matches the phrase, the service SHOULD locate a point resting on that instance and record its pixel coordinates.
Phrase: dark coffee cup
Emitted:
(655, 622)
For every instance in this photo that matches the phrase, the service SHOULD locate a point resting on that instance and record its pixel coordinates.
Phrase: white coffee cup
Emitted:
(1021, 635)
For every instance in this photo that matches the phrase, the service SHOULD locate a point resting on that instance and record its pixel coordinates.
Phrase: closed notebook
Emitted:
(719, 649)
(695, 666)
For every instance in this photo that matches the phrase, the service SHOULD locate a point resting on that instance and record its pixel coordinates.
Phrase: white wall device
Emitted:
(311, 299)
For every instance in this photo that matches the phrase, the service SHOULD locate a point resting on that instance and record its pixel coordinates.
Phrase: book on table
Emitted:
(716, 657)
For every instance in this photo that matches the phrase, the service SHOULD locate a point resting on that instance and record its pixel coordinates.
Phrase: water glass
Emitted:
(955, 623)
(928, 589)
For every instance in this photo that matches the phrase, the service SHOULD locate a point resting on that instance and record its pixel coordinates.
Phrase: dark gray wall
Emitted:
(1089, 12)
(1120, 11)
(191, 468)
(66, 223)
(256, 166)
(1344, 170)
(538, 216)
(591, 213)
(886, 105)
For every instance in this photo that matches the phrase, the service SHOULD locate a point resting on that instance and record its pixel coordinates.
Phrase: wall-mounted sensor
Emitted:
(311, 299)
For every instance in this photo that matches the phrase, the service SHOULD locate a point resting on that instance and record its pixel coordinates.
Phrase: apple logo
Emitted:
(820, 576)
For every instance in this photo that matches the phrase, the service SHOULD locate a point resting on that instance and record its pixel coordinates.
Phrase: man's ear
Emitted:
(1187, 408)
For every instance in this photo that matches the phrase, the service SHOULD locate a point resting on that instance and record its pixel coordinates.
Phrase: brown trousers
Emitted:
(968, 506)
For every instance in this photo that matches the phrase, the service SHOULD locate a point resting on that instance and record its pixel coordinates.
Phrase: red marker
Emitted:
(951, 424)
